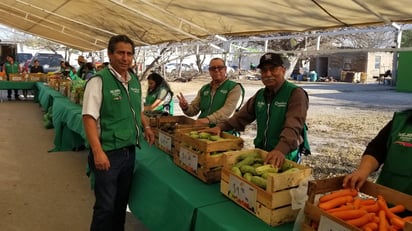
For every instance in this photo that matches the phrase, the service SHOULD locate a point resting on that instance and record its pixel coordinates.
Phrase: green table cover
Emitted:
(164, 196)
(228, 216)
(4, 85)
(68, 125)
(46, 95)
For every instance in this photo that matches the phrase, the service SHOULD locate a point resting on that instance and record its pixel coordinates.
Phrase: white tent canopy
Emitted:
(87, 25)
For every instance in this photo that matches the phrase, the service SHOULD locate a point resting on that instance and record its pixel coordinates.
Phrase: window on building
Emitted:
(377, 62)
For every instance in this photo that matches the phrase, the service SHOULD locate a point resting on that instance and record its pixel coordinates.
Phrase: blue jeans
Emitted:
(112, 190)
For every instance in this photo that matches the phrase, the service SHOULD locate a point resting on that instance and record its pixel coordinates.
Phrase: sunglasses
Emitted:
(216, 68)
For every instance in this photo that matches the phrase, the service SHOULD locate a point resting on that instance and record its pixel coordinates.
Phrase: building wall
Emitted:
(356, 62)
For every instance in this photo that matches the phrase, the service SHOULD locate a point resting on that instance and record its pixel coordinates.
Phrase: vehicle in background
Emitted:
(5, 50)
(22, 58)
(49, 61)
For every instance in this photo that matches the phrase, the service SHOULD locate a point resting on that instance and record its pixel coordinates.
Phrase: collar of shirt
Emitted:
(118, 76)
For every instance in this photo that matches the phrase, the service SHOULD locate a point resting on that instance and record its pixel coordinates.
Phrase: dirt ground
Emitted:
(50, 191)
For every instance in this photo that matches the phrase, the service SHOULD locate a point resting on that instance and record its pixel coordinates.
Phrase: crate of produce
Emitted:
(37, 77)
(167, 128)
(3, 76)
(259, 188)
(330, 207)
(200, 153)
(16, 77)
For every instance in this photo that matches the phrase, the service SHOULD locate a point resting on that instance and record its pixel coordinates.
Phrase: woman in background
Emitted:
(159, 99)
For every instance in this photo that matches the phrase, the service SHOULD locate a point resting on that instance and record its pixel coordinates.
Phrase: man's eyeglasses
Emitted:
(216, 68)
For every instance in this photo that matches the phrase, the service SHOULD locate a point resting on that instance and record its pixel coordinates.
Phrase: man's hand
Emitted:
(275, 158)
(215, 130)
(149, 135)
(204, 121)
(101, 162)
(355, 180)
(182, 101)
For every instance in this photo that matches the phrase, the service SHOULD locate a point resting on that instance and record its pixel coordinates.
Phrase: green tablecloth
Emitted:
(165, 197)
(228, 216)
(46, 95)
(68, 125)
(4, 85)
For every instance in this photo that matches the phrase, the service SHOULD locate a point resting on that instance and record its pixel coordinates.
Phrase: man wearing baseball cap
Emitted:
(279, 109)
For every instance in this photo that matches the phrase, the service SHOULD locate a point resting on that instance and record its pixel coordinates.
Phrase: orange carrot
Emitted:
(383, 223)
(394, 228)
(374, 208)
(341, 208)
(349, 214)
(397, 221)
(333, 203)
(338, 193)
(361, 221)
(367, 229)
(397, 209)
(367, 202)
(371, 225)
(408, 218)
(356, 202)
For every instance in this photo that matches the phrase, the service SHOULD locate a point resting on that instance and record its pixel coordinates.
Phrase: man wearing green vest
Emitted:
(392, 148)
(114, 126)
(11, 67)
(279, 109)
(217, 100)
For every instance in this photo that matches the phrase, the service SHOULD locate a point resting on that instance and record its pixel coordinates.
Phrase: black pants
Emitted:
(16, 93)
(112, 190)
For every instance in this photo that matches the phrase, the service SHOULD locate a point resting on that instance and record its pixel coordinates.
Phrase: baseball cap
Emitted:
(270, 58)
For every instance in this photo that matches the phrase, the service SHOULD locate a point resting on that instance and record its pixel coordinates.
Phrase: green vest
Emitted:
(11, 68)
(397, 169)
(270, 119)
(120, 122)
(154, 95)
(208, 103)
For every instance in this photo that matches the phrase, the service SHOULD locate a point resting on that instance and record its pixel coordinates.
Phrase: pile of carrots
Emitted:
(366, 214)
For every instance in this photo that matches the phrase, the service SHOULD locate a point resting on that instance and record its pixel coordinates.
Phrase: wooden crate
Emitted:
(37, 77)
(16, 77)
(317, 188)
(272, 205)
(203, 158)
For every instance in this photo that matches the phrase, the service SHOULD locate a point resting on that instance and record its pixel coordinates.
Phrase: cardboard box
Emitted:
(202, 158)
(37, 77)
(314, 215)
(16, 77)
(272, 205)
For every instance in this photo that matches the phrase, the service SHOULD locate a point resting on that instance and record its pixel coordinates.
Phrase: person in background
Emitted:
(159, 99)
(36, 68)
(391, 149)
(81, 61)
(280, 110)
(114, 125)
(217, 100)
(68, 71)
(11, 67)
(89, 70)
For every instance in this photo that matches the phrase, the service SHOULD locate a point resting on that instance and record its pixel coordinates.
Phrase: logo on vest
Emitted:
(206, 93)
(280, 104)
(116, 94)
(260, 104)
(404, 139)
(135, 90)
(223, 91)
